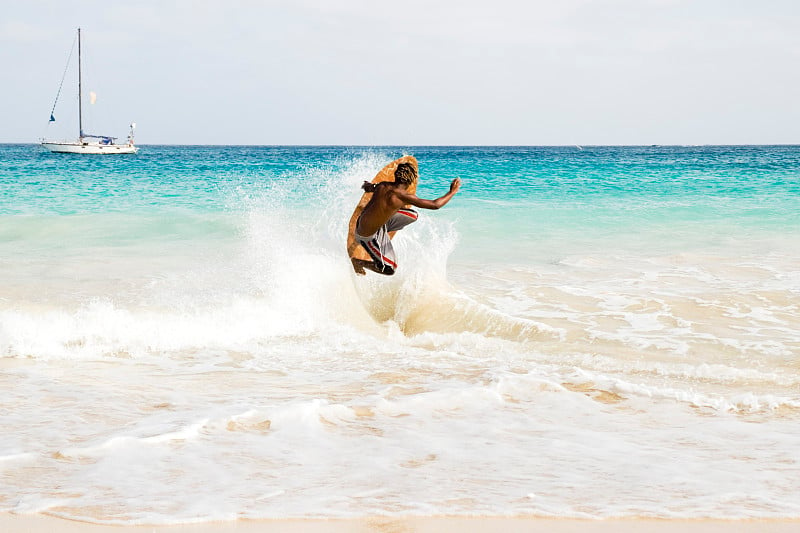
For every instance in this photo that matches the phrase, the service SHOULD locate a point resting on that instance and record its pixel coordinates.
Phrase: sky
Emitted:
(416, 72)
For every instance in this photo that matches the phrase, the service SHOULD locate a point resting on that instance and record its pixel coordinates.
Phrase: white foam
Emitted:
(16, 457)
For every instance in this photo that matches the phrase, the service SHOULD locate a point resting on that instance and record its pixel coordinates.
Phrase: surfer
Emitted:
(386, 212)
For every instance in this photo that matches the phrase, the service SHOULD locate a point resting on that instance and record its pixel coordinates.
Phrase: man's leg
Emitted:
(401, 219)
(380, 249)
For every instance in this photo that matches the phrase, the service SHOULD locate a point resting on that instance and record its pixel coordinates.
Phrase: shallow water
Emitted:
(613, 331)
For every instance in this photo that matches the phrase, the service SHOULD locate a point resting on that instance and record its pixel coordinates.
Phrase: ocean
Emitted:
(583, 332)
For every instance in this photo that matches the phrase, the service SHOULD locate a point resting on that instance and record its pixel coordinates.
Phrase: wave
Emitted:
(274, 267)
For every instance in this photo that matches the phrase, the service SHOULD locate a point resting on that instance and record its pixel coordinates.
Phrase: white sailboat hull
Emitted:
(89, 148)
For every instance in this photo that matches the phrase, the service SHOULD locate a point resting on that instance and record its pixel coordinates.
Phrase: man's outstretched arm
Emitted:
(432, 204)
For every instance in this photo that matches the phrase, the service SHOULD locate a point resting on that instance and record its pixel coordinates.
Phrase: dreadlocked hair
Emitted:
(406, 173)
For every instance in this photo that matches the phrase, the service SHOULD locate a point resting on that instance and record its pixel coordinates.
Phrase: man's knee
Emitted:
(401, 219)
(409, 215)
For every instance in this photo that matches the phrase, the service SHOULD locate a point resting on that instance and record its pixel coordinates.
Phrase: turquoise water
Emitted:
(700, 195)
(581, 332)
(201, 177)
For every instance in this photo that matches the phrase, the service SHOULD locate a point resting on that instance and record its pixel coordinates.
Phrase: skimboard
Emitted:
(386, 174)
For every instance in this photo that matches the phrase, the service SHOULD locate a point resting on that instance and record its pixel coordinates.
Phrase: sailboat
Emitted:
(88, 143)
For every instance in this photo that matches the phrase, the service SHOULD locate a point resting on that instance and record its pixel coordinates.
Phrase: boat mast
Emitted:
(80, 96)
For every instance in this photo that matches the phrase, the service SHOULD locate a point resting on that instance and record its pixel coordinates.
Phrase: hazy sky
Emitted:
(409, 73)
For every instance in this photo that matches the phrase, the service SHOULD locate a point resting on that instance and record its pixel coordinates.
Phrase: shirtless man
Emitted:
(386, 212)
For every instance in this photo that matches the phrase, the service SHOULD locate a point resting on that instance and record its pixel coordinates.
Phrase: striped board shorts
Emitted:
(379, 246)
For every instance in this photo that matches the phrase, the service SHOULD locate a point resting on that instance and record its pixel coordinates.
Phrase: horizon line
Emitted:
(577, 145)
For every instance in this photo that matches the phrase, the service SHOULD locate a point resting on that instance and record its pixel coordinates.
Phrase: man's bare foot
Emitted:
(358, 266)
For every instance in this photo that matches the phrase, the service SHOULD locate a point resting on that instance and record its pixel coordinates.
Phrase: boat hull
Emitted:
(90, 148)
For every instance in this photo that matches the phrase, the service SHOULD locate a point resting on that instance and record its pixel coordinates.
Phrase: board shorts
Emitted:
(379, 246)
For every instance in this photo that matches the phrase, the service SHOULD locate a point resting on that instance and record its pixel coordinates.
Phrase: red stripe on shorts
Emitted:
(377, 252)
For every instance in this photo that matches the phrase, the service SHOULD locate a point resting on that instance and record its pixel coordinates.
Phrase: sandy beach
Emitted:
(12, 523)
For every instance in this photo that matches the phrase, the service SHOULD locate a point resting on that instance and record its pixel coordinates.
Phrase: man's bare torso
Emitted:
(386, 200)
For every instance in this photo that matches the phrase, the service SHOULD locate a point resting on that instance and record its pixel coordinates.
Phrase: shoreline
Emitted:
(42, 523)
